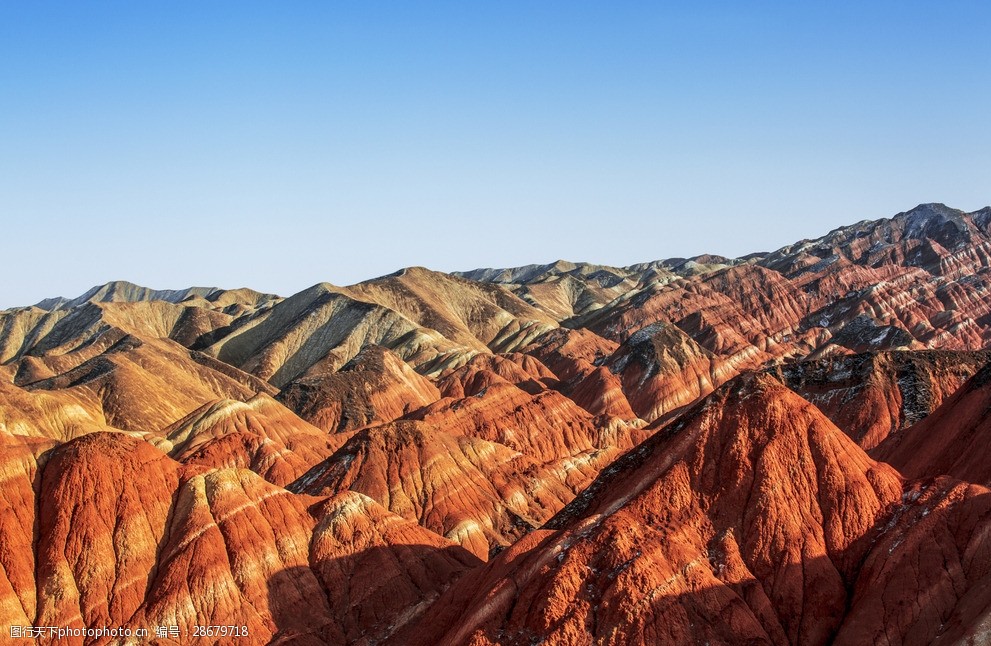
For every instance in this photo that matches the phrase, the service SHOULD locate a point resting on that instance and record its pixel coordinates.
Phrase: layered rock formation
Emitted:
(952, 440)
(783, 448)
(744, 522)
(373, 388)
(128, 537)
(661, 368)
(259, 434)
(480, 494)
(753, 519)
(873, 396)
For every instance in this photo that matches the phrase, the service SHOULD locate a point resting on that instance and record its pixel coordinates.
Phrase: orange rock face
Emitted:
(546, 426)
(374, 388)
(260, 435)
(570, 353)
(483, 370)
(873, 396)
(784, 448)
(479, 494)
(952, 440)
(600, 392)
(662, 369)
(745, 521)
(104, 503)
(21, 460)
(128, 537)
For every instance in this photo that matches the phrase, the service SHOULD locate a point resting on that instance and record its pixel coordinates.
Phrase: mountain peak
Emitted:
(126, 292)
(928, 212)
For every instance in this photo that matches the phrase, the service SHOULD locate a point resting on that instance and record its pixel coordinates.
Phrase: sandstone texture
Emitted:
(790, 447)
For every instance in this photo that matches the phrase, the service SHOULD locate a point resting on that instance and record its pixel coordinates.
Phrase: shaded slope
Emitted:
(21, 462)
(872, 396)
(373, 388)
(952, 440)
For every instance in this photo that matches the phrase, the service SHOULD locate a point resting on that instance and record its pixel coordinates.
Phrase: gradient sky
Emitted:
(276, 145)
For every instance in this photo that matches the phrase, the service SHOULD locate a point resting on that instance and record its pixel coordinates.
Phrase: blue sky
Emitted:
(275, 145)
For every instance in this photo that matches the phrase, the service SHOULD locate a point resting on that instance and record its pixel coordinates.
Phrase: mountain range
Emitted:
(782, 448)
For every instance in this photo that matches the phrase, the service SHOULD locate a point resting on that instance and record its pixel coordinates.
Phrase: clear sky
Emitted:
(279, 144)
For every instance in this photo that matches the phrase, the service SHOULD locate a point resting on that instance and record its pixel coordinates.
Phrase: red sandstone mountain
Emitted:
(873, 396)
(570, 353)
(576, 358)
(128, 537)
(600, 392)
(334, 467)
(373, 388)
(751, 520)
(480, 494)
(952, 440)
(661, 368)
(742, 521)
(259, 434)
(522, 370)
(547, 426)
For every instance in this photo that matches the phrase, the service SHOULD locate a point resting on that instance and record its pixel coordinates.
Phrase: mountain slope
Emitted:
(373, 388)
(259, 434)
(743, 522)
(782, 448)
(873, 396)
(479, 494)
(952, 440)
(128, 537)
